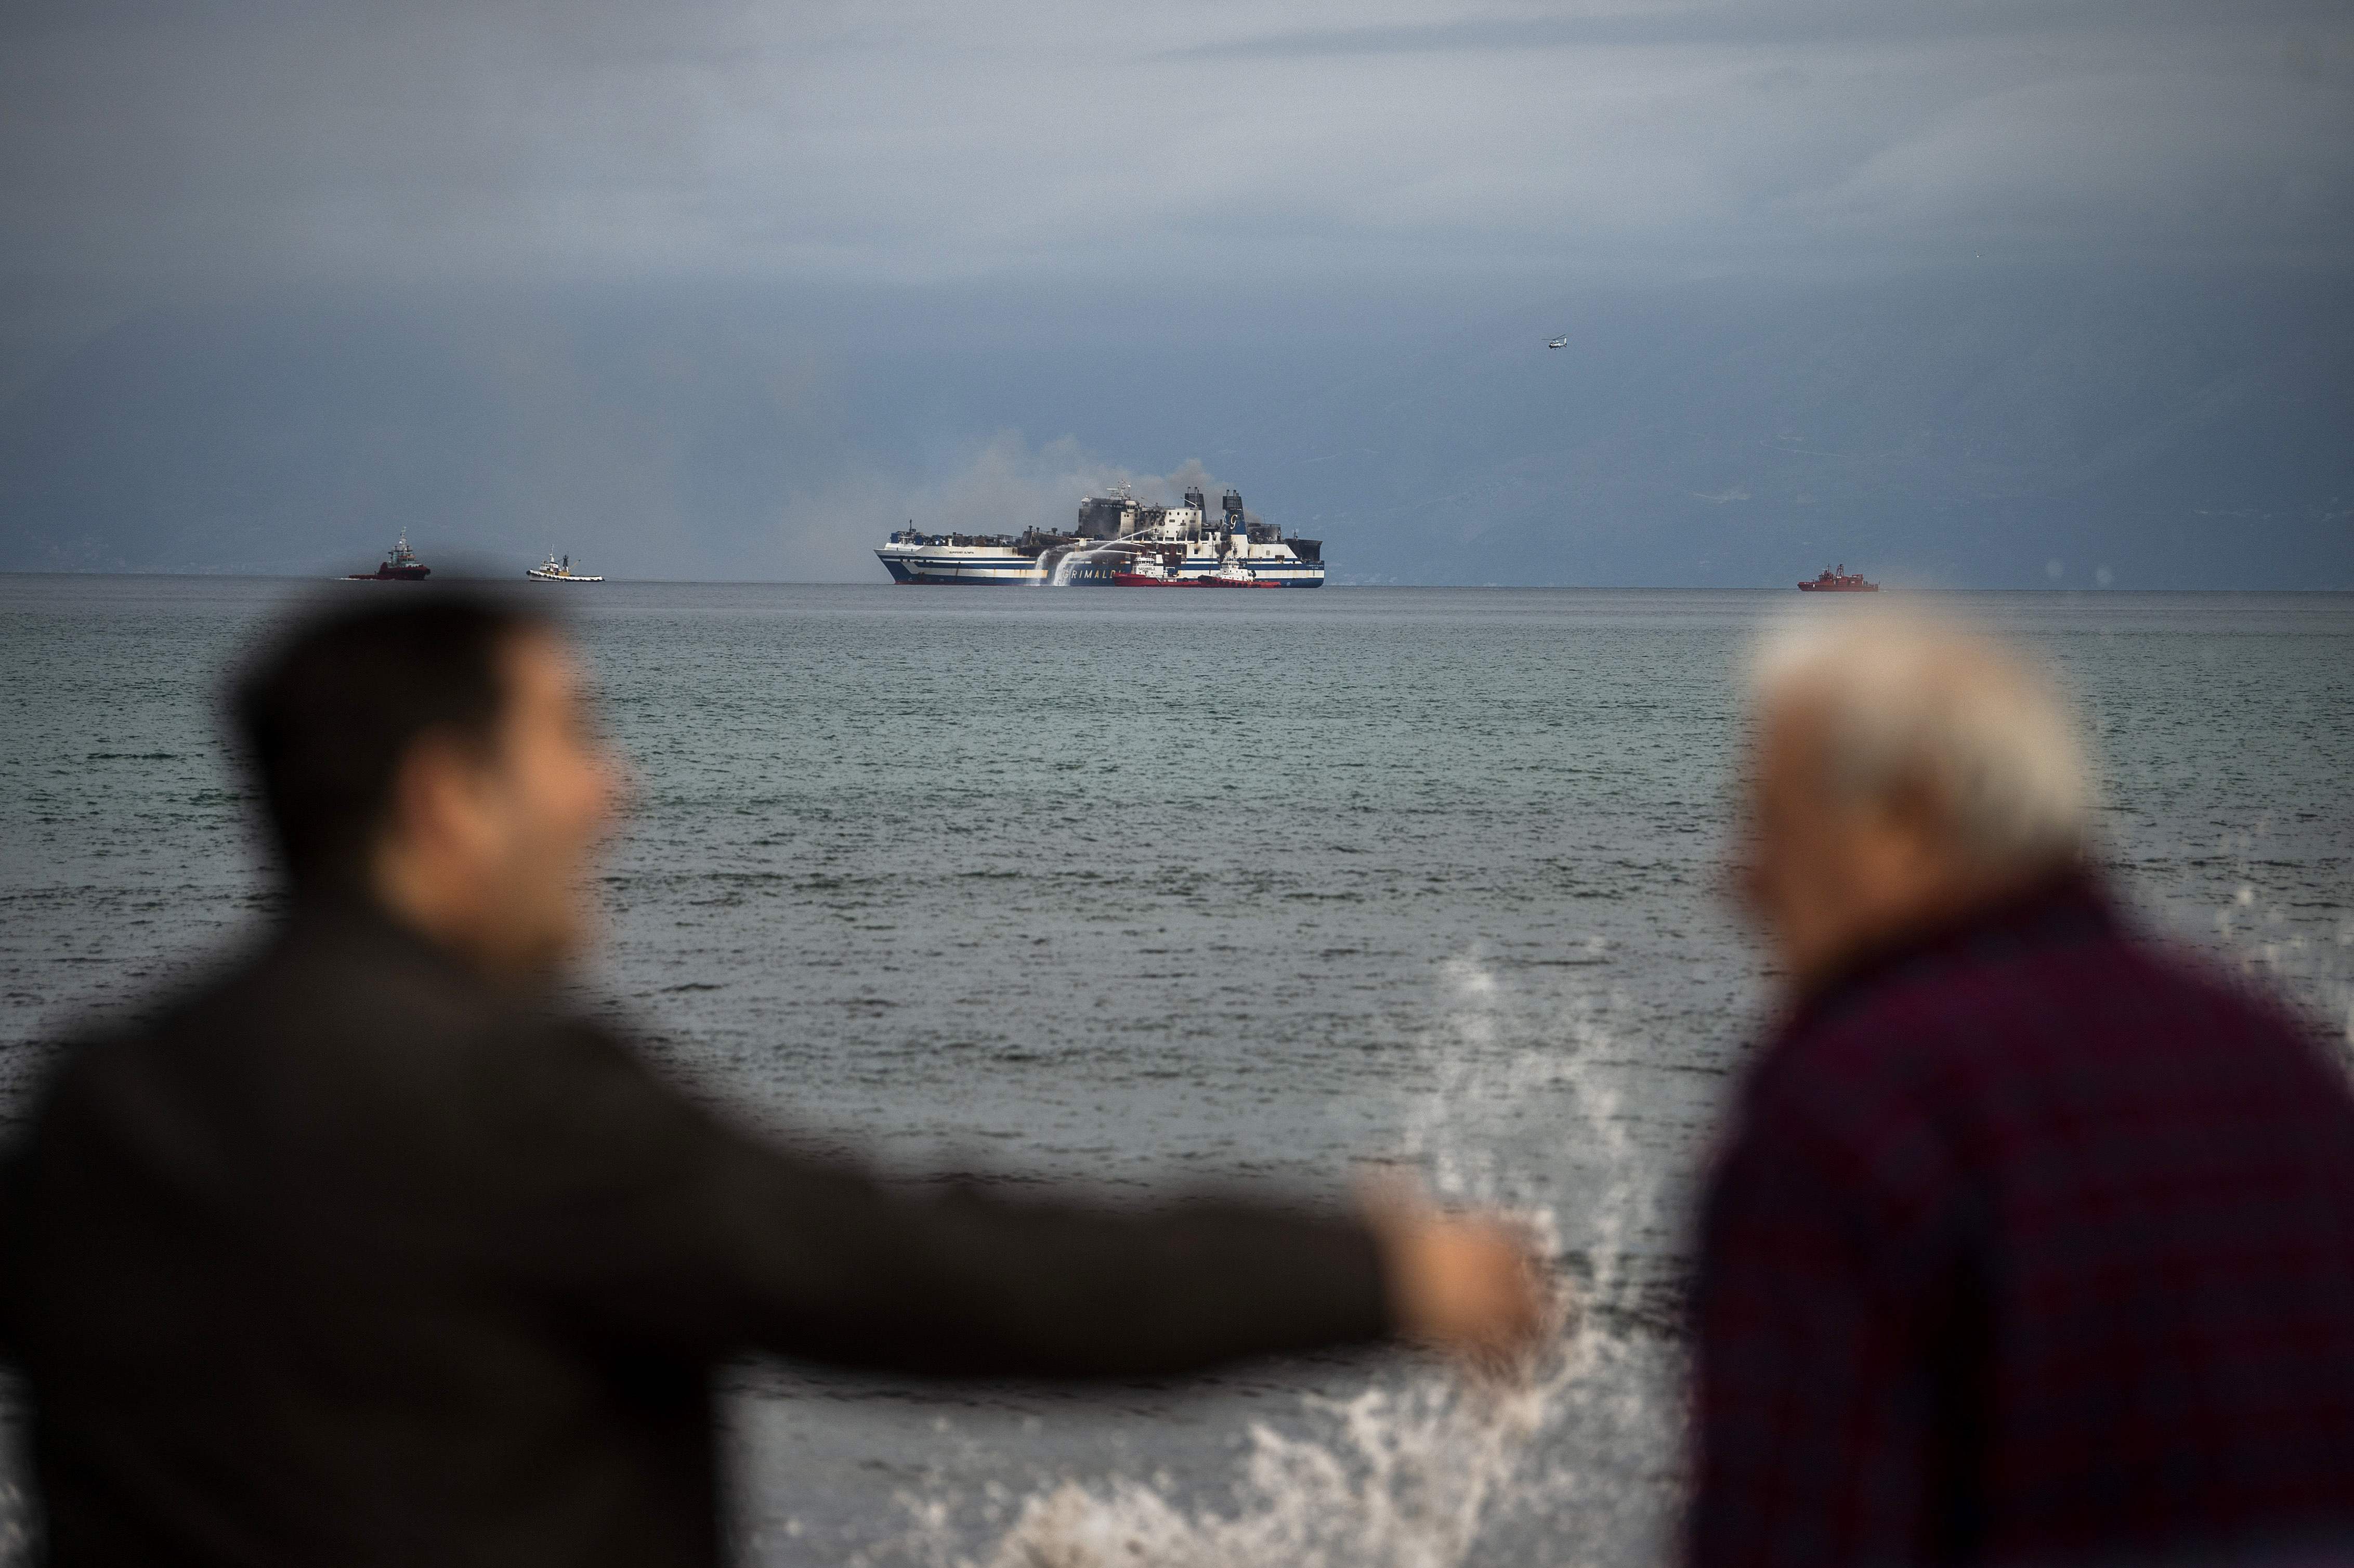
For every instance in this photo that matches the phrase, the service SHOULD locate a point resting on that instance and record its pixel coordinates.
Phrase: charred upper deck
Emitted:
(1120, 516)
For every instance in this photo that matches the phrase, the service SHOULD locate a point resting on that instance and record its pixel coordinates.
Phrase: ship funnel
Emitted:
(1232, 504)
(1193, 499)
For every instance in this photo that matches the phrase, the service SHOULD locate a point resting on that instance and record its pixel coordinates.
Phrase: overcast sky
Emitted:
(155, 144)
(1194, 156)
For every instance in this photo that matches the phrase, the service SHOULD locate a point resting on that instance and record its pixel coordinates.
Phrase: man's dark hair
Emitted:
(329, 711)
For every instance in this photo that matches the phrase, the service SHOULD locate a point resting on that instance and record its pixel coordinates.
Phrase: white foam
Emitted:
(1574, 1463)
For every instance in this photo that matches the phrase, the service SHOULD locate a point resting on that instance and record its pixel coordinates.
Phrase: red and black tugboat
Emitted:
(1839, 580)
(401, 566)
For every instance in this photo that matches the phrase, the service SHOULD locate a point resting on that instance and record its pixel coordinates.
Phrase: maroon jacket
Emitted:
(2032, 1245)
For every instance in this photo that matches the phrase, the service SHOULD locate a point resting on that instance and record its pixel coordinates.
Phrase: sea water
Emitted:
(1138, 892)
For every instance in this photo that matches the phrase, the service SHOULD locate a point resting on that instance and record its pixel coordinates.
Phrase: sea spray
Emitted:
(2254, 931)
(19, 1522)
(1068, 565)
(1576, 1463)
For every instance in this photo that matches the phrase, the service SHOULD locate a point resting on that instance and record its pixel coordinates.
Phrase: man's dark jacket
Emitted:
(352, 1259)
(2033, 1245)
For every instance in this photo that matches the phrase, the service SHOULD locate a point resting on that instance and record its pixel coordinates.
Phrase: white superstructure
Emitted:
(1117, 536)
(555, 570)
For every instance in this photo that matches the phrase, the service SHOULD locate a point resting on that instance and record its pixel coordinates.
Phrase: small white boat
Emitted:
(556, 569)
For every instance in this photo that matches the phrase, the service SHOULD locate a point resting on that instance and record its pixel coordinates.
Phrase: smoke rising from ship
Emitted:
(1010, 493)
(1005, 485)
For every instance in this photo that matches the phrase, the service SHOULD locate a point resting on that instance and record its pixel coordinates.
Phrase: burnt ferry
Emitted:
(1116, 542)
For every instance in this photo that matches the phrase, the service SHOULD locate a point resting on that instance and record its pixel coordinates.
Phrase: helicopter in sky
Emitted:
(1558, 343)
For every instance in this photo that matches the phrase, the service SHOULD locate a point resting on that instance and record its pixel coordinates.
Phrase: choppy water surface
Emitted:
(1100, 888)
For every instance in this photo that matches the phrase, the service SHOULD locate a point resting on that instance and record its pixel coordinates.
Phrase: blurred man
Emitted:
(2031, 1243)
(361, 1254)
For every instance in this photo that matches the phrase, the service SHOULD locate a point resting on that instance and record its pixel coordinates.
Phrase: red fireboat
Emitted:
(401, 566)
(1839, 580)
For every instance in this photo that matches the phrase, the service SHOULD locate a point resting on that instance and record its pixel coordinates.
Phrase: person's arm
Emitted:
(664, 1224)
(1811, 1407)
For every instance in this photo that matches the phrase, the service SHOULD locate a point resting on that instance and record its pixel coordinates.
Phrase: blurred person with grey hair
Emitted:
(2031, 1242)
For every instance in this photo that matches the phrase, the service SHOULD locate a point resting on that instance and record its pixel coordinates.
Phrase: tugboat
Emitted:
(553, 570)
(1839, 580)
(1234, 574)
(400, 565)
(1151, 569)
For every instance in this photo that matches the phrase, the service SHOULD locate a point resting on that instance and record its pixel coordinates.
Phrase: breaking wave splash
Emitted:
(1576, 1463)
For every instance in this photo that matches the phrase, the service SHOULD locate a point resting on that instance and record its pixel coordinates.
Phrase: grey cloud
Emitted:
(259, 144)
(2203, 163)
(1805, 24)
(1144, 228)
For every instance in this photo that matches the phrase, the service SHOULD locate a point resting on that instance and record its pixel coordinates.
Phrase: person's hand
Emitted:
(1469, 1284)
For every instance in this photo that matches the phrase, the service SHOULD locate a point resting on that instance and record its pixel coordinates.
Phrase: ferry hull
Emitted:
(960, 570)
(981, 571)
(1116, 542)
